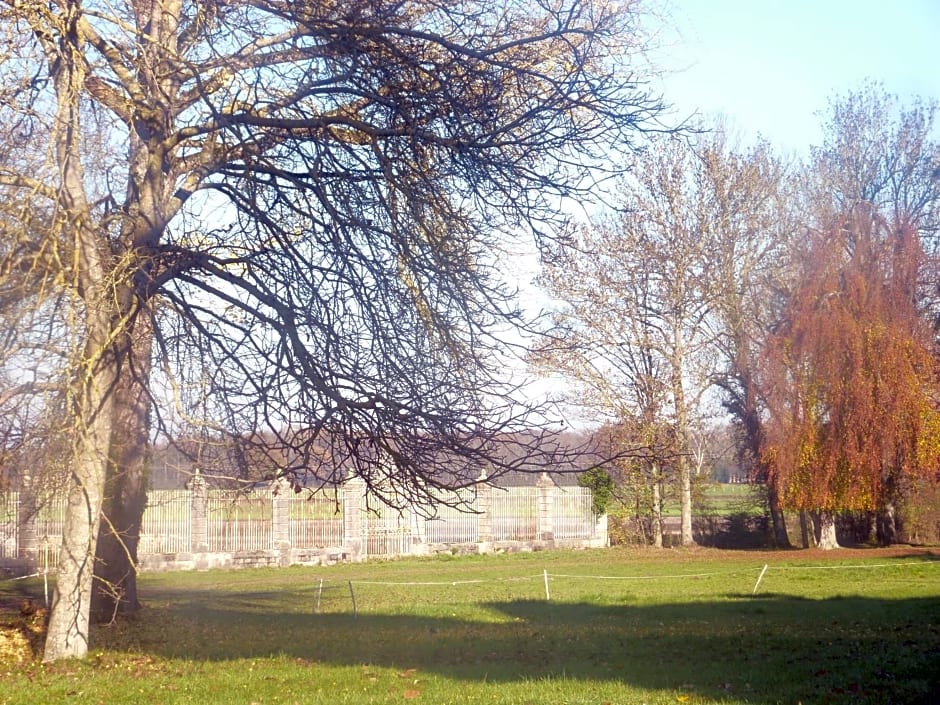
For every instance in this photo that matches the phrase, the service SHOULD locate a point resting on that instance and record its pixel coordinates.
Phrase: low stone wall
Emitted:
(158, 562)
(331, 556)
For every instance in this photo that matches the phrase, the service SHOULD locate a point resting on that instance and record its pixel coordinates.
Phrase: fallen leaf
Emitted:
(411, 694)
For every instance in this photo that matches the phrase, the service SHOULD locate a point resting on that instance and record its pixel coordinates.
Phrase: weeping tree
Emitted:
(310, 199)
(850, 375)
(877, 154)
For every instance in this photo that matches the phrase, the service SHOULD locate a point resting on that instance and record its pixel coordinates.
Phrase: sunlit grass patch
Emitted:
(620, 627)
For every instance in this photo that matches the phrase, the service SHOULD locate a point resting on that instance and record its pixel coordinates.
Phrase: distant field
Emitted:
(721, 499)
(621, 626)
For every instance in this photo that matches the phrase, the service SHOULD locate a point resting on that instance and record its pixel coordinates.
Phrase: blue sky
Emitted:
(771, 66)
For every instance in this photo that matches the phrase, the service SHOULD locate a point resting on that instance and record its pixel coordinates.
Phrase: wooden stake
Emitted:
(759, 578)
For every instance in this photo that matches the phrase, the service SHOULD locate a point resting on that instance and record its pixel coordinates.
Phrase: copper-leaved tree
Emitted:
(850, 376)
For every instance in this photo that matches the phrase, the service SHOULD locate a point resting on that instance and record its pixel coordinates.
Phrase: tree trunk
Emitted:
(887, 525)
(126, 487)
(93, 373)
(68, 632)
(685, 502)
(826, 531)
(777, 519)
(684, 472)
(657, 512)
(887, 519)
(125, 497)
(807, 530)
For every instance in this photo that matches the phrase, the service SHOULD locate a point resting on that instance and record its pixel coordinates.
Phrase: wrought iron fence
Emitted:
(230, 521)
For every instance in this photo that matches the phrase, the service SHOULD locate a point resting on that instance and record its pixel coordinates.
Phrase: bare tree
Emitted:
(311, 196)
(753, 223)
(636, 297)
(878, 151)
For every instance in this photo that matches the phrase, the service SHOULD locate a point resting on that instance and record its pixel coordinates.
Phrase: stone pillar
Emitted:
(27, 547)
(199, 514)
(546, 508)
(484, 505)
(354, 495)
(601, 533)
(418, 528)
(280, 520)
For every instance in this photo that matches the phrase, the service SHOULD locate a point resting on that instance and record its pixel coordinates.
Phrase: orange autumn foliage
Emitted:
(850, 373)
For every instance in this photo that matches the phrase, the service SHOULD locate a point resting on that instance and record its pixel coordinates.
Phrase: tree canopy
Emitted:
(850, 372)
(291, 213)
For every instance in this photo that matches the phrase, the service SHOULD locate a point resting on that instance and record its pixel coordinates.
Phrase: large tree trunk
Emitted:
(886, 520)
(887, 524)
(68, 632)
(126, 487)
(826, 531)
(683, 470)
(94, 367)
(125, 496)
(747, 410)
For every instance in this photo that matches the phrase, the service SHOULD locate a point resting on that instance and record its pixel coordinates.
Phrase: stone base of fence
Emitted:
(158, 562)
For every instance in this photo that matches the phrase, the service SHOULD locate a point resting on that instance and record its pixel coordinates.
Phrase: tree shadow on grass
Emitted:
(769, 648)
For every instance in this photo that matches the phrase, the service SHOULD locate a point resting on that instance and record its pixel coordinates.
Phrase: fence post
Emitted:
(26, 515)
(280, 517)
(354, 492)
(601, 532)
(418, 529)
(199, 511)
(484, 505)
(546, 508)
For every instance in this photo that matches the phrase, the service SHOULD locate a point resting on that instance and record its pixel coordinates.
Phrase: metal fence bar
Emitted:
(316, 522)
(514, 514)
(573, 513)
(388, 531)
(9, 524)
(239, 521)
(50, 522)
(452, 519)
(167, 522)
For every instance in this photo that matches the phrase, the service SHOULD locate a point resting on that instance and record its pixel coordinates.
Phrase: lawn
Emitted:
(621, 626)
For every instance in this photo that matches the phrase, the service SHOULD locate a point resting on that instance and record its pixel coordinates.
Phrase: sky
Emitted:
(771, 65)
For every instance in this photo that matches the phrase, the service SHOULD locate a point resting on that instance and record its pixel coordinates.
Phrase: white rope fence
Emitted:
(546, 577)
(44, 574)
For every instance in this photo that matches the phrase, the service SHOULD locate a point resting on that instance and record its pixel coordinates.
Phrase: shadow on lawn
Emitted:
(758, 649)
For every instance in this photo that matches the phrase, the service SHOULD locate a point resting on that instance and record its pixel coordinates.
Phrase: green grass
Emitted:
(719, 499)
(674, 627)
(729, 499)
